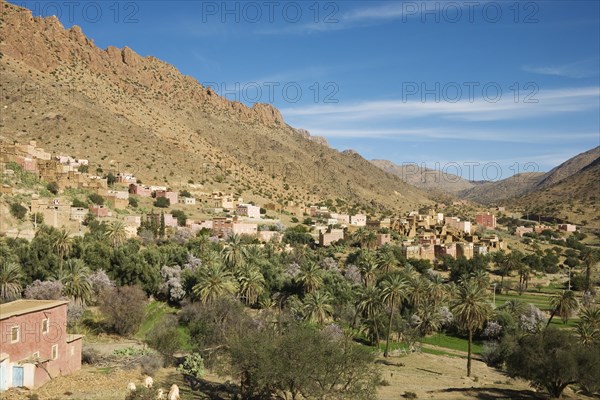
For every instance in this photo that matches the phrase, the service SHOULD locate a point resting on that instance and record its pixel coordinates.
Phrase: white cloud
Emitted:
(579, 69)
(548, 102)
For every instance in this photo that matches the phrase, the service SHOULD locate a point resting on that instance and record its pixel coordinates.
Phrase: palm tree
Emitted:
(116, 233)
(62, 245)
(429, 318)
(515, 307)
(369, 305)
(393, 291)
(214, 281)
(471, 309)
(251, 283)
(590, 259)
(76, 281)
(232, 253)
(436, 290)
(588, 333)
(317, 307)
(564, 304)
(310, 276)
(387, 261)
(419, 291)
(591, 315)
(368, 266)
(481, 277)
(11, 276)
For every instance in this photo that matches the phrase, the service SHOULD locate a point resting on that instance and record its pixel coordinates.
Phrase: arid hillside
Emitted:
(574, 199)
(425, 178)
(139, 114)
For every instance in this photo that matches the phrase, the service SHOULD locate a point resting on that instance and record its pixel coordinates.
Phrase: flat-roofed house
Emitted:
(35, 345)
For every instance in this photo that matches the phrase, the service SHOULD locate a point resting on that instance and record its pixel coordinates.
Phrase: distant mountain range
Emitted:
(569, 191)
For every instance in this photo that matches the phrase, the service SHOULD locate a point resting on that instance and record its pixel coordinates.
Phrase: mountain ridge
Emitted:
(116, 107)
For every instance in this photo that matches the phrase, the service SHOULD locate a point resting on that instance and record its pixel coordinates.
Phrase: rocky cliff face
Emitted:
(49, 47)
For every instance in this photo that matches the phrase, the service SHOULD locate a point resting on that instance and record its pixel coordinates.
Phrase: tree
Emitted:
(368, 265)
(162, 202)
(11, 276)
(471, 309)
(133, 202)
(232, 252)
(369, 306)
(180, 216)
(115, 233)
(590, 259)
(310, 276)
(564, 304)
(393, 291)
(18, 211)
(551, 360)
(53, 188)
(96, 199)
(76, 281)
(214, 281)
(317, 307)
(62, 245)
(124, 308)
(251, 283)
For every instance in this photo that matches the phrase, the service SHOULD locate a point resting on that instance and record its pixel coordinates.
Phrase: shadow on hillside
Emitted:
(496, 393)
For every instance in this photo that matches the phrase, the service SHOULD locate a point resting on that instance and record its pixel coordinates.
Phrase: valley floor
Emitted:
(428, 376)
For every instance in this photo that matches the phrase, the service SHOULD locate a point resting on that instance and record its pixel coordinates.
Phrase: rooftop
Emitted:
(20, 307)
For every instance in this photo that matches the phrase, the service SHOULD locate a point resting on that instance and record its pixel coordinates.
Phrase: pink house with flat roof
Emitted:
(35, 345)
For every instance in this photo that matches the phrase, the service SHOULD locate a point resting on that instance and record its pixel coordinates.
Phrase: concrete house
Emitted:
(486, 219)
(35, 345)
(248, 210)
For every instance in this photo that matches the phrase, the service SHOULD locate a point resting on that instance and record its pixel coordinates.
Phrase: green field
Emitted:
(452, 342)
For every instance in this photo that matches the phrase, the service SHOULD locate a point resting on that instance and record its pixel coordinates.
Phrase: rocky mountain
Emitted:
(124, 111)
(493, 192)
(574, 198)
(530, 182)
(425, 178)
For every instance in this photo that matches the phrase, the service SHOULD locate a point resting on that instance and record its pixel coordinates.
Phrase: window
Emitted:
(36, 355)
(72, 350)
(55, 352)
(14, 334)
(45, 325)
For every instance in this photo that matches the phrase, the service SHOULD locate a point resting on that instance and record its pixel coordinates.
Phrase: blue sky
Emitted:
(443, 83)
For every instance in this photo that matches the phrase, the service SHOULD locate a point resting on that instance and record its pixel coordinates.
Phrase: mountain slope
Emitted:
(121, 110)
(574, 199)
(425, 178)
(492, 192)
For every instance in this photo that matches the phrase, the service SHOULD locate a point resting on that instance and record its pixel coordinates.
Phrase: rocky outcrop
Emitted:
(48, 46)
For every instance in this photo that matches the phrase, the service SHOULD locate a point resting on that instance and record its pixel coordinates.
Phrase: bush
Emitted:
(96, 199)
(53, 188)
(151, 363)
(142, 393)
(162, 202)
(90, 356)
(18, 211)
(165, 339)
(133, 202)
(78, 203)
(44, 290)
(181, 217)
(124, 309)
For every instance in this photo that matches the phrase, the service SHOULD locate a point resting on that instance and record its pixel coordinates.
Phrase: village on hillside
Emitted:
(115, 197)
